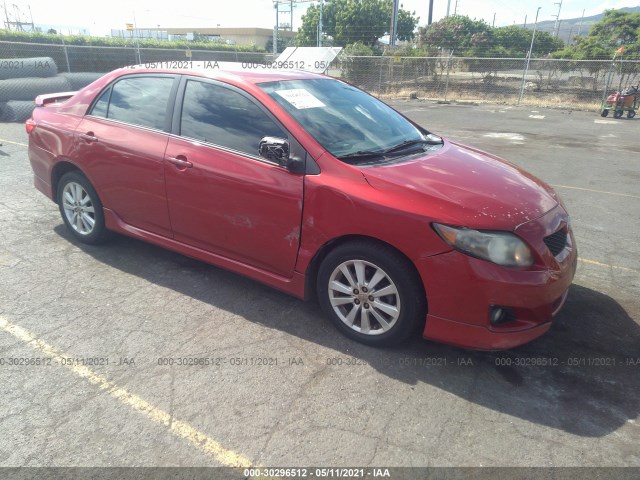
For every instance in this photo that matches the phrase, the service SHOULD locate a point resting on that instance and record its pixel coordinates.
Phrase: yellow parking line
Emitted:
(600, 264)
(2, 140)
(195, 437)
(598, 191)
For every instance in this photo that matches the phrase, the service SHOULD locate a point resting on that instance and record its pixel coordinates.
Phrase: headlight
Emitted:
(502, 248)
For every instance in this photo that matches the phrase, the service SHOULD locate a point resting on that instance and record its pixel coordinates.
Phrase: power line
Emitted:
(14, 21)
(556, 26)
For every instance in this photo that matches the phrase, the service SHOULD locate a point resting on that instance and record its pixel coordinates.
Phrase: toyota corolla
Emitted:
(316, 188)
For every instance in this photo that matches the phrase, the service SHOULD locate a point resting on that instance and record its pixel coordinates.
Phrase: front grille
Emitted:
(556, 242)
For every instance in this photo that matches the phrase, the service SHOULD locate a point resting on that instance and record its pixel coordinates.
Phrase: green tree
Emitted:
(458, 33)
(476, 38)
(407, 23)
(354, 21)
(515, 42)
(616, 29)
(308, 33)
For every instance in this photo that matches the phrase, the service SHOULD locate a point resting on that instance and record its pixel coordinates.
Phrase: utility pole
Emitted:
(455, 9)
(136, 32)
(6, 23)
(320, 23)
(393, 30)
(559, 25)
(525, 21)
(275, 32)
(555, 27)
(448, 7)
(526, 69)
(395, 21)
(431, 12)
(494, 20)
(580, 27)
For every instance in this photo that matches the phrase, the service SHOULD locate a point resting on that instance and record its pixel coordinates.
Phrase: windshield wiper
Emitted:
(367, 154)
(362, 155)
(428, 140)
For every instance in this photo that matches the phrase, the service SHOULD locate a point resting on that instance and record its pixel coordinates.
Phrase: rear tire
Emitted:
(631, 113)
(372, 293)
(618, 114)
(81, 208)
(604, 113)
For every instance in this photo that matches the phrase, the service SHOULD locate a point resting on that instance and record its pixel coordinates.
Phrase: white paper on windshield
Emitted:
(300, 98)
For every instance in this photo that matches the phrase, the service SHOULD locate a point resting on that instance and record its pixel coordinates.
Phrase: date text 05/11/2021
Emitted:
(328, 472)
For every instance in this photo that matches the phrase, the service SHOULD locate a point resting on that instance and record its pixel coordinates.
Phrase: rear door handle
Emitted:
(88, 137)
(180, 161)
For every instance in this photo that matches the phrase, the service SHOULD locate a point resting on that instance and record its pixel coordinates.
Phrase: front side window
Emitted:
(138, 100)
(219, 115)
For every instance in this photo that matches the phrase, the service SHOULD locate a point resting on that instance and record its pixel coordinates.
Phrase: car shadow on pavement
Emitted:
(582, 377)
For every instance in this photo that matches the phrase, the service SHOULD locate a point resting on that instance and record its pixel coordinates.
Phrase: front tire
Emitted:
(81, 208)
(372, 293)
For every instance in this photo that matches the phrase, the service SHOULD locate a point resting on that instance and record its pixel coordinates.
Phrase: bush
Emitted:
(47, 38)
(356, 67)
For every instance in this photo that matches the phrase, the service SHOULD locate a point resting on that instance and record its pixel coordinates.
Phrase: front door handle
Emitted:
(88, 137)
(180, 161)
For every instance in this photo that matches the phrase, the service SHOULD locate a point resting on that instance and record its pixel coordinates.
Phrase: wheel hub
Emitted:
(78, 208)
(364, 297)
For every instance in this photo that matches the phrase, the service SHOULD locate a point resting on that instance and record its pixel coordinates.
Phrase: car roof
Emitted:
(234, 72)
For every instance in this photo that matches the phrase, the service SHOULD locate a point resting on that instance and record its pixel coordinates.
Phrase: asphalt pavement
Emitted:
(136, 356)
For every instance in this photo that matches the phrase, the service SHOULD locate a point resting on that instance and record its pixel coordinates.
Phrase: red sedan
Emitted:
(312, 186)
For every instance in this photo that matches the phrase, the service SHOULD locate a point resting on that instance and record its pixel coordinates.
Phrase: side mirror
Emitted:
(275, 149)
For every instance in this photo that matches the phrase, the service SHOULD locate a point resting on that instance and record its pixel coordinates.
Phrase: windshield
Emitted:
(343, 119)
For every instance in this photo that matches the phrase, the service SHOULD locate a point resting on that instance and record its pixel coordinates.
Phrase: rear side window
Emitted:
(136, 100)
(221, 116)
(101, 107)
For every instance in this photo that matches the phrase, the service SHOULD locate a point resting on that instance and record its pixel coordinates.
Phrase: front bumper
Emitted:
(461, 290)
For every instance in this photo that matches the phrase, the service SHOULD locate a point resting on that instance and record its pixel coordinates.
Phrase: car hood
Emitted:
(460, 185)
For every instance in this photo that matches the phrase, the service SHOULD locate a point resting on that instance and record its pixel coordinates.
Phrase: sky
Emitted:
(74, 14)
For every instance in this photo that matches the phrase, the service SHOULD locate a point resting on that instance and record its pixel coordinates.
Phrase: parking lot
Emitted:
(136, 356)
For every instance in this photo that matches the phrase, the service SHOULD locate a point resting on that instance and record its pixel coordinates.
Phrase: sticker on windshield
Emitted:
(300, 98)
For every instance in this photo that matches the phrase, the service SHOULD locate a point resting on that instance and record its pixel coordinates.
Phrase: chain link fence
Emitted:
(84, 58)
(546, 82)
(30, 69)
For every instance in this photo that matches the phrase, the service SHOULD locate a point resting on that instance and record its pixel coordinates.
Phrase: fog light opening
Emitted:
(500, 315)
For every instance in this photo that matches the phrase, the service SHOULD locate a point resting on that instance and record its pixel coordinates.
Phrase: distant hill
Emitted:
(570, 27)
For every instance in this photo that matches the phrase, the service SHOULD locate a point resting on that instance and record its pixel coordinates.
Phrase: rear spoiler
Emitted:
(42, 100)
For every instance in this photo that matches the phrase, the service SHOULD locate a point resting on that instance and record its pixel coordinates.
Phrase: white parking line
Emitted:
(513, 137)
(195, 437)
(607, 265)
(2, 140)
(597, 191)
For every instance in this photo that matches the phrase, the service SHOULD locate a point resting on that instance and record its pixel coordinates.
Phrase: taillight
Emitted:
(30, 125)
